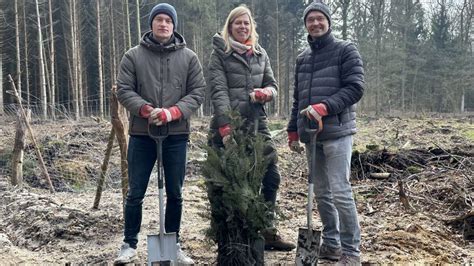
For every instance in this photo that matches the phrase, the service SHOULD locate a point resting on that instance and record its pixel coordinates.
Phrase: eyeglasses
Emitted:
(319, 19)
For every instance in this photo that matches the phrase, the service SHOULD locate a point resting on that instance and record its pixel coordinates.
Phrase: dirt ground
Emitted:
(430, 158)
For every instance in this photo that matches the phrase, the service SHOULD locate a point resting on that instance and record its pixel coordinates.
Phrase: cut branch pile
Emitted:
(412, 163)
(435, 181)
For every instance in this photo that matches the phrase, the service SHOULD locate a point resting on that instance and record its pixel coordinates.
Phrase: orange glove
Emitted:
(161, 116)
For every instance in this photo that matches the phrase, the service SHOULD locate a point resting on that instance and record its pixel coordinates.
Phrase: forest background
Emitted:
(63, 54)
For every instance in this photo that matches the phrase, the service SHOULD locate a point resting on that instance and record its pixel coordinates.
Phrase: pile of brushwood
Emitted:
(433, 180)
(234, 176)
(408, 163)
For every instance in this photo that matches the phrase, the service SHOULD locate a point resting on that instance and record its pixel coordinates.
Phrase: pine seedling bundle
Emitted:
(238, 210)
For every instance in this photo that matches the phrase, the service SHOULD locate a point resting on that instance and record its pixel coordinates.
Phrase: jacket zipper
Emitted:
(160, 100)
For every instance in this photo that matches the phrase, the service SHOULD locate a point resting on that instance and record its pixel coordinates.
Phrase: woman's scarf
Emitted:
(242, 48)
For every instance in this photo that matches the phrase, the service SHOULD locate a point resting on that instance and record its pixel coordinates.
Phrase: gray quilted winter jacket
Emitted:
(161, 76)
(232, 78)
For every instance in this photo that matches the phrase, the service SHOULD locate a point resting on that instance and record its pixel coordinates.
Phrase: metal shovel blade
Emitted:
(161, 247)
(307, 251)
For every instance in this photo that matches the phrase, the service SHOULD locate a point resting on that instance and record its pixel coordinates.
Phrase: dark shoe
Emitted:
(273, 241)
(329, 253)
(347, 260)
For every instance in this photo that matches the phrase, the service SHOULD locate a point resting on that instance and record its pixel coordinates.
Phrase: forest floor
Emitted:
(430, 158)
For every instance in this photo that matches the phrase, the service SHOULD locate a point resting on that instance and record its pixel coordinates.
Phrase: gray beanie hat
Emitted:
(163, 8)
(317, 6)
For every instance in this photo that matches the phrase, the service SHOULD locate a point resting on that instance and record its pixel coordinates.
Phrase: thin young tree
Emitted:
(113, 54)
(73, 62)
(278, 76)
(1, 85)
(345, 5)
(377, 10)
(18, 54)
(466, 23)
(52, 55)
(99, 61)
(127, 21)
(26, 52)
(78, 51)
(44, 101)
(139, 30)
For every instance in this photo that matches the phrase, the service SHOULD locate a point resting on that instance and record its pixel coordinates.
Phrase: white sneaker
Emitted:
(126, 254)
(181, 257)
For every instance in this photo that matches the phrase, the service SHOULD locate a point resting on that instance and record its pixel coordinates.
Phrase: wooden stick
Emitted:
(403, 197)
(30, 131)
(103, 169)
(120, 130)
(380, 175)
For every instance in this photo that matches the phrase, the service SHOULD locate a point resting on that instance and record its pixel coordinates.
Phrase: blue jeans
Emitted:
(141, 160)
(333, 194)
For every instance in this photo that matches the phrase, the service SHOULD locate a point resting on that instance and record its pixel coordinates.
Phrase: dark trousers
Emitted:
(141, 160)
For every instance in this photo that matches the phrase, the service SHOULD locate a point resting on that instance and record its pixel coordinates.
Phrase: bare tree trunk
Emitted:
(127, 21)
(408, 15)
(78, 51)
(196, 46)
(18, 149)
(44, 101)
(46, 75)
(286, 93)
(113, 53)
(18, 55)
(30, 131)
(345, 17)
(415, 78)
(74, 74)
(52, 55)
(1, 85)
(280, 98)
(139, 30)
(377, 11)
(27, 65)
(99, 61)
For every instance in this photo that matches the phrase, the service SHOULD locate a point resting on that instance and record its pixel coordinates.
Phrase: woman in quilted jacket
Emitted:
(241, 79)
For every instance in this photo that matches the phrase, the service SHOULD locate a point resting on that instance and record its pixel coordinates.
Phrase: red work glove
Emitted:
(316, 112)
(261, 95)
(293, 142)
(225, 131)
(161, 116)
(145, 110)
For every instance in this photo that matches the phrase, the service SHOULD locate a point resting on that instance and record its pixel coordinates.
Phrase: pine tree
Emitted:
(238, 210)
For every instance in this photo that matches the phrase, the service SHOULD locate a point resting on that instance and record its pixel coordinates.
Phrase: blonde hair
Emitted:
(233, 15)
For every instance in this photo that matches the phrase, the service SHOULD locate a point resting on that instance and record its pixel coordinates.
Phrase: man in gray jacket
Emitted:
(329, 80)
(160, 82)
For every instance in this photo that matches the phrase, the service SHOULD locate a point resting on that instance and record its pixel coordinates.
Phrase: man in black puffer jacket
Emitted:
(329, 80)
